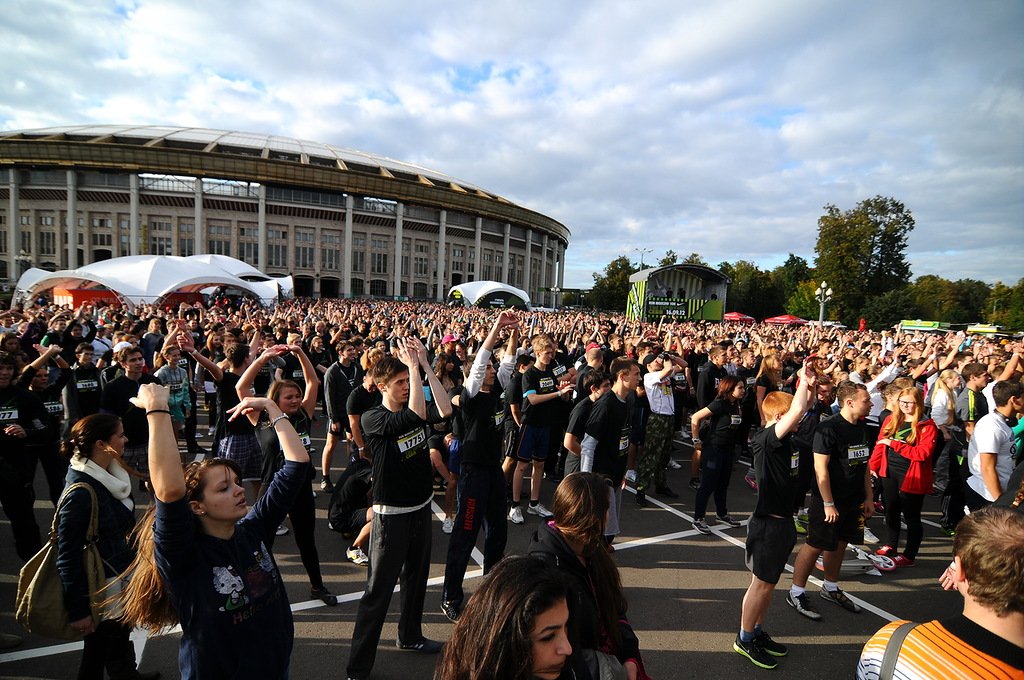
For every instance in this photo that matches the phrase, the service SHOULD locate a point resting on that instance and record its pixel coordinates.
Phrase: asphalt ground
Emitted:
(684, 591)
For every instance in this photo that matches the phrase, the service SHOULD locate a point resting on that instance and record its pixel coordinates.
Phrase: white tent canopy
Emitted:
(142, 279)
(488, 293)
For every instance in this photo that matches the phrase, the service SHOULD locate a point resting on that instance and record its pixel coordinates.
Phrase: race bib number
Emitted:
(858, 454)
(735, 420)
(87, 385)
(306, 441)
(624, 440)
(410, 441)
(558, 370)
(499, 418)
(297, 375)
(546, 384)
(54, 407)
(794, 461)
(8, 413)
(751, 381)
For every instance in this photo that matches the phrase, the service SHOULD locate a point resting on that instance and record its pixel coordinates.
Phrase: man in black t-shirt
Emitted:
(595, 384)
(340, 379)
(711, 373)
(360, 400)
(771, 534)
(605, 446)
(481, 485)
(841, 452)
(396, 440)
(116, 399)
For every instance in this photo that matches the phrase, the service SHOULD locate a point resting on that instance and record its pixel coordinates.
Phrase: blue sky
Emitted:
(720, 127)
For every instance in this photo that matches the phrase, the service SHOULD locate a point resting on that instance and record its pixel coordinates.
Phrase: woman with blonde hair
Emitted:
(902, 458)
(202, 557)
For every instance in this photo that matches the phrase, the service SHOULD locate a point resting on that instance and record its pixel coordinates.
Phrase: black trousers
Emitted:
(303, 517)
(481, 503)
(907, 504)
(715, 473)
(107, 647)
(17, 497)
(952, 503)
(399, 547)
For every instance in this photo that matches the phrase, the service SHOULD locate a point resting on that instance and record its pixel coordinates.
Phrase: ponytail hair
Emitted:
(146, 600)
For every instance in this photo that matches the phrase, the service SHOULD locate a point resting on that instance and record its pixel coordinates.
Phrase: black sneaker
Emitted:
(841, 599)
(753, 651)
(451, 610)
(324, 596)
(802, 606)
(641, 499)
(765, 642)
(695, 483)
(726, 519)
(424, 646)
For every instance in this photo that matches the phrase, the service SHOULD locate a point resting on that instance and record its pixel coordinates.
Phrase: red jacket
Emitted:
(919, 476)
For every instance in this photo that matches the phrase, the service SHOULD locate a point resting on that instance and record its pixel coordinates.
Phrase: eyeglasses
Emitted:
(908, 403)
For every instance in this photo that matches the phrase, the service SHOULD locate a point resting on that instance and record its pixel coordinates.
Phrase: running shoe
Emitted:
(802, 606)
(424, 646)
(702, 526)
(886, 551)
(641, 499)
(448, 525)
(840, 598)
(726, 519)
(674, 464)
(903, 561)
(281, 530)
(869, 536)
(755, 653)
(539, 510)
(765, 642)
(450, 610)
(949, 531)
(695, 483)
(355, 555)
(801, 528)
(803, 516)
(631, 476)
(515, 515)
(324, 596)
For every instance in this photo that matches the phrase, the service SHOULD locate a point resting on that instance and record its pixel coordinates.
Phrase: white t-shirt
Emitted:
(942, 408)
(659, 394)
(991, 435)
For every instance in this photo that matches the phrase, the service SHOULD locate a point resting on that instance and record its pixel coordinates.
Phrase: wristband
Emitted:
(158, 410)
(275, 421)
(828, 504)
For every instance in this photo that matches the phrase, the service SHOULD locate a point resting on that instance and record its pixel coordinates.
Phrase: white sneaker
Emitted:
(281, 530)
(674, 464)
(539, 510)
(515, 515)
(447, 525)
(631, 476)
(357, 556)
(870, 537)
(210, 432)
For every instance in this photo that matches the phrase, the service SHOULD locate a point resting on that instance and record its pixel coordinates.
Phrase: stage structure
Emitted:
(491, 294)
(683, 292)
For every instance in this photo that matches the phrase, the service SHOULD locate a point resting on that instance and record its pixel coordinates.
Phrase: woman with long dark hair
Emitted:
(574, 542)
(94, 450)
(203, 559)
(515, 627)
(902, 458)
(725, 415)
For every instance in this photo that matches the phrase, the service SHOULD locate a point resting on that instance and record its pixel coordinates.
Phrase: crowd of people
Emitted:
(838, 424)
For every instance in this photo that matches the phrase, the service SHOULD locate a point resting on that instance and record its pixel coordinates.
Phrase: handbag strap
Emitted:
(93, 530)
(892, 650)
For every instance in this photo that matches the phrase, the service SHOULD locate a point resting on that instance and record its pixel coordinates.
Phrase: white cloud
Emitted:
(719, 127)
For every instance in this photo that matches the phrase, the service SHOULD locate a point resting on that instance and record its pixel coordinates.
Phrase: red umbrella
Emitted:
(786, 320)
(738, 317)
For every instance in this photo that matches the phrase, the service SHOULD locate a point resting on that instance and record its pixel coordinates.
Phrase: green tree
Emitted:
(971, 298)
(791, 274)
(861, 252)
(695, 258)
(888, 309)
(1005, 305)
(752, 291)
(611, 289)
(670, 259)
(803, 303)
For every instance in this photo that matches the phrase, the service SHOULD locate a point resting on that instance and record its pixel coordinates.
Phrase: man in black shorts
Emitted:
(771, 534)
(841, 452)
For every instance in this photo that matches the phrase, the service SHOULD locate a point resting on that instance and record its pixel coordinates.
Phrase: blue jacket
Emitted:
(115, 523)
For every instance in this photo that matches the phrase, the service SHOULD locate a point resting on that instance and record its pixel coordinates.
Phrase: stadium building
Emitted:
(341, 222)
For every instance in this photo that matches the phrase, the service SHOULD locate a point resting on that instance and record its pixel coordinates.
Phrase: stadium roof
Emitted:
(257, 157)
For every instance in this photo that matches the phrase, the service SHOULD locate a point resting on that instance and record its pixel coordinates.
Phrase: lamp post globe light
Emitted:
(642, 251)
(555, 290)
(823, 294)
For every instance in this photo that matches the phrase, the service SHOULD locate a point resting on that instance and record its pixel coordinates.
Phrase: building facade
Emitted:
(343, 223)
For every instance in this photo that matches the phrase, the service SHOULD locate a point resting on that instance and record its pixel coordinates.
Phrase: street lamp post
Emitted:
(642, 252)
(555, 290)
(823, 294)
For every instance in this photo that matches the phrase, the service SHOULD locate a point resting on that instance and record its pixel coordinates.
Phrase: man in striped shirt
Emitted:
(987, 640)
